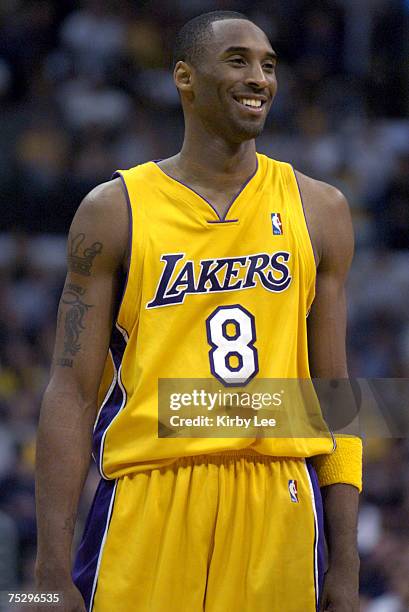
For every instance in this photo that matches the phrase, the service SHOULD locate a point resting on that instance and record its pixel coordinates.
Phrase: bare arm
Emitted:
(331, 229)
(96, 250)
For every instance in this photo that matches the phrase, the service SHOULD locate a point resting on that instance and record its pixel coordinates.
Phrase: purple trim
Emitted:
(220, 219)
(316, 259)
(113, 402)
(239, 359)
(223, 222)
(237, 328)
(86, 560)
(117, 174)
(320, 544)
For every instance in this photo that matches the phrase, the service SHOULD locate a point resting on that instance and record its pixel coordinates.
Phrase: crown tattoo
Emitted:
(81, 259)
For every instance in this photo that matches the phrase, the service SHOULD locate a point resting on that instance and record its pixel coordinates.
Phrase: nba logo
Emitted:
(276, 224)
(292, 489)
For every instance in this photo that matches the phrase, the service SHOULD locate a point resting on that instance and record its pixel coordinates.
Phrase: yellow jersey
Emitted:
(205, 298)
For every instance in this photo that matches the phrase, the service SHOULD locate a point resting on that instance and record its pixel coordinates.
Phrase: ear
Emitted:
(183, 77)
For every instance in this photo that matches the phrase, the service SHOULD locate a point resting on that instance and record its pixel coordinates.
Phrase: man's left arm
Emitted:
(340, 473)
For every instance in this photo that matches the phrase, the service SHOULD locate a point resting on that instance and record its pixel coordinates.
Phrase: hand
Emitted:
(341, 589)
(72, 600)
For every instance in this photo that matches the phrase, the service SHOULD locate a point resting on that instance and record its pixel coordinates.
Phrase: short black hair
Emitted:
(193, 36)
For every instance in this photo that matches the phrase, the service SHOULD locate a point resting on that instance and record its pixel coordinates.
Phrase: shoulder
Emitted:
(105, 199)
(327, 198)
(103, 216)
(328, 217)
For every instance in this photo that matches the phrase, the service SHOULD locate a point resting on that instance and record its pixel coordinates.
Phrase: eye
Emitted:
(269, 66)
(238, 61)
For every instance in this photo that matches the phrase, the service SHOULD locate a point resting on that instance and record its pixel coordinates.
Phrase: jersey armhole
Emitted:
(306, 246)
(314, 253)
(125, 276)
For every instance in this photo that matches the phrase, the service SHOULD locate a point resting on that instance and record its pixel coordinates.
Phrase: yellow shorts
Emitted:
(232, 532)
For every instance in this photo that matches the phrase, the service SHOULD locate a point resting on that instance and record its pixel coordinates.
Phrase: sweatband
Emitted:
(344, 465)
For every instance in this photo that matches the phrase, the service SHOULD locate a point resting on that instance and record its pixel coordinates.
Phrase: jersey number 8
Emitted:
(231, 333)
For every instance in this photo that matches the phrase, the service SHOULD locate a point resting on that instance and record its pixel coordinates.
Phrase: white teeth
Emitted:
(251, 102)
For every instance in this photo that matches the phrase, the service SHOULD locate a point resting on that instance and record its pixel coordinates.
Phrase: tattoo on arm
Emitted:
(80, 258)
(76, 289)
(73, 324)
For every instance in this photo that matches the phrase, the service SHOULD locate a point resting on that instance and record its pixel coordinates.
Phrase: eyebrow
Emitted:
(272, 54)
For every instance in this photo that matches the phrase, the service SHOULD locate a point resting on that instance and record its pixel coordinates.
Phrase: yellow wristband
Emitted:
(344, 465)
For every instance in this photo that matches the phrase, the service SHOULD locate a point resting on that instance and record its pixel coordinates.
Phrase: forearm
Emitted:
(62, 462)
(340, 504)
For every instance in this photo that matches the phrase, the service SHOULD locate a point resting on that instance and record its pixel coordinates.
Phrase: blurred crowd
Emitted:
(85, 88)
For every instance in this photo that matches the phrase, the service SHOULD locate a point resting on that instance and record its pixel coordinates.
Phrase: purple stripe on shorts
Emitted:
(114, 401)
(320, 535)
(86, 561)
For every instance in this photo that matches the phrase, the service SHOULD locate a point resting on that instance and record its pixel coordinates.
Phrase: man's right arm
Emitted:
(96, 252)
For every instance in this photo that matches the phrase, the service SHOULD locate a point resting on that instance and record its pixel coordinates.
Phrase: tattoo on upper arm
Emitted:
(76, 289)
(73, 323)
(80, 258)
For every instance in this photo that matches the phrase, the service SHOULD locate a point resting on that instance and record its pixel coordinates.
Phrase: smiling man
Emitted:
(204, 265)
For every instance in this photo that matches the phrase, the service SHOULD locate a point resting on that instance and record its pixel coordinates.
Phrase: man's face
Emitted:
(234, 83)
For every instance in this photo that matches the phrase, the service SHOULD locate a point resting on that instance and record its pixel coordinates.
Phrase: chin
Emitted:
(247, 131)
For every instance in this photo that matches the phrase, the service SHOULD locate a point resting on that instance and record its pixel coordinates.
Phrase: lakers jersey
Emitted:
(205, 298)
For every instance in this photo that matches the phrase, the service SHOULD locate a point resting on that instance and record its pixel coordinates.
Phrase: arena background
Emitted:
(85, 89)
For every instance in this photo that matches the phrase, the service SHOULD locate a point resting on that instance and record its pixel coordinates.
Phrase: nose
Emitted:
(257, 77)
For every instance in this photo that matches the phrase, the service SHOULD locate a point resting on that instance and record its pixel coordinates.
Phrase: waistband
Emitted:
(233, 455)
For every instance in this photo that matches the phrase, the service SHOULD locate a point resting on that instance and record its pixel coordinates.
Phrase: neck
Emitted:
(206, 155)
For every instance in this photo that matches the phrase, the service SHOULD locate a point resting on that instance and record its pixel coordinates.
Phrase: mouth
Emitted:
(252, 104)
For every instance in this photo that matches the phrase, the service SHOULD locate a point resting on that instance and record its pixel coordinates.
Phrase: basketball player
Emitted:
(217, 235)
